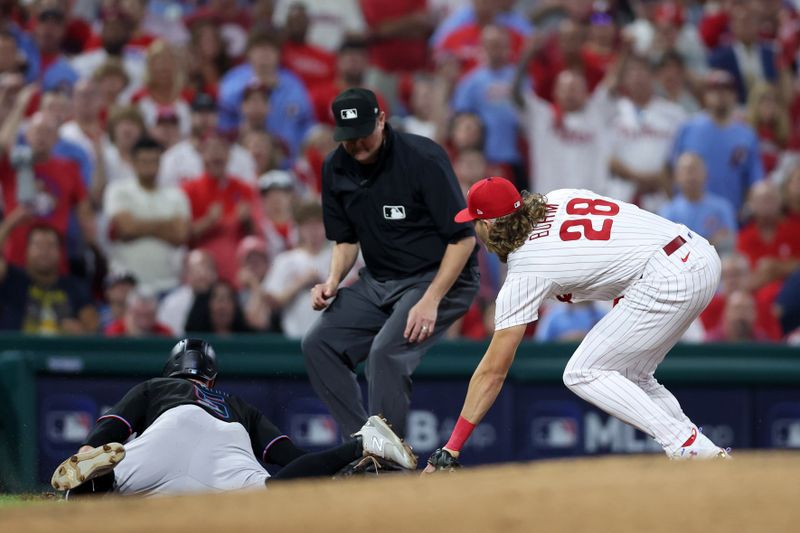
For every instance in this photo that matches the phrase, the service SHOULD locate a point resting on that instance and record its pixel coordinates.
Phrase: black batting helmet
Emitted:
(191, 358)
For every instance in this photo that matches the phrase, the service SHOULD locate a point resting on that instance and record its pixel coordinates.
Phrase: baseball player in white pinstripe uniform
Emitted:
(577, 245)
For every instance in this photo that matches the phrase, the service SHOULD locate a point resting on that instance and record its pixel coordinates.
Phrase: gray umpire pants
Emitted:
(367, 321)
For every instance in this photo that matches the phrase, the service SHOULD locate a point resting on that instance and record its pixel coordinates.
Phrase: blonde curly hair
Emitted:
(509, 232)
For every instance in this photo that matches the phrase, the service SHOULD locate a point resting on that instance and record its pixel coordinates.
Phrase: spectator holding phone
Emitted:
(30, 175)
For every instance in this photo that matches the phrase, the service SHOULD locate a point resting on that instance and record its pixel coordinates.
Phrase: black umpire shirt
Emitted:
(399, 209)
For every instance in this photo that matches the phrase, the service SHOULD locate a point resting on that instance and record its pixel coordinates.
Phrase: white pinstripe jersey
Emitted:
(588, 247)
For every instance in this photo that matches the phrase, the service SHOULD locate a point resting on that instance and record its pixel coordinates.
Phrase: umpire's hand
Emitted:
(321, 293)
(421, 320)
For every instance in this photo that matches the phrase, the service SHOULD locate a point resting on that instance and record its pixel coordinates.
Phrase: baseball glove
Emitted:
(441, 459)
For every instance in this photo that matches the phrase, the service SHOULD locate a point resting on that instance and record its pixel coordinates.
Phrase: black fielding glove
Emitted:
(442, 460)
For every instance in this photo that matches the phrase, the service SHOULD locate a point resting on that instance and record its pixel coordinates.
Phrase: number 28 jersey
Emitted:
(588, 247)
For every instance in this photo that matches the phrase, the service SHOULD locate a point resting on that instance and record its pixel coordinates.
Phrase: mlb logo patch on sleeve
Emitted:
(394, 212)
(349, 113)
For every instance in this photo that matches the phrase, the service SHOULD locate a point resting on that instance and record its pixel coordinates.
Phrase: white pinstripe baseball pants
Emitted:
(614, 365)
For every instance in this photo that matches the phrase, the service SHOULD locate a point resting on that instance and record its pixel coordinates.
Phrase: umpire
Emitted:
(395, 195)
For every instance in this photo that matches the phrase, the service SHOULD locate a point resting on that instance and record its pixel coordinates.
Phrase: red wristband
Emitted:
(460, 434)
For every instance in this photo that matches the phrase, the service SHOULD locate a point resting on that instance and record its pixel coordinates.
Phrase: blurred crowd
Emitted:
(160, 161)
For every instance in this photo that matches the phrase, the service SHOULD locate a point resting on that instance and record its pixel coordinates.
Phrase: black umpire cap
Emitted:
(355, 111)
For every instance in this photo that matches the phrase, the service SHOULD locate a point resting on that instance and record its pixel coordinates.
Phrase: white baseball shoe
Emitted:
(378, 439)
(699, 447)
(90, 464)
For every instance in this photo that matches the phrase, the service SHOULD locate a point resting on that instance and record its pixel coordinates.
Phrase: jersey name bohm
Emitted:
(542, 229)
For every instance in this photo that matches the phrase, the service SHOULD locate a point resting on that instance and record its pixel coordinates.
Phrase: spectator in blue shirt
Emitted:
(291, 114)
(504, 16)
(706, 213)
(728, 147)
(55, 70)
(486, 91)
(568, 322)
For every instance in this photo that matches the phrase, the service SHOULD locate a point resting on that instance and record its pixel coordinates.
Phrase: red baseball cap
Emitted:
(493, 197)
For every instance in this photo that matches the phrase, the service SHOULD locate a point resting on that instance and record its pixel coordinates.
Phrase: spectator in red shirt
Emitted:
(352, 62)
(563, 51)
(769, 117)
(223, 206)
(314, 65)
(770, 241)
(397, 32)
(734, 278)
(139, 318)
(465, 42)
(738, 321)
(51, 187)
(224, 13)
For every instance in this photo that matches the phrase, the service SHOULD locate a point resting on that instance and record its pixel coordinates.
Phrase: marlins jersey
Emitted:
(146, 402)
(588, 247)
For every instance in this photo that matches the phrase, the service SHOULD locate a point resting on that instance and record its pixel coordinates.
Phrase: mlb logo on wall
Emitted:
(394, 212)
(349, 113)
(555, 432)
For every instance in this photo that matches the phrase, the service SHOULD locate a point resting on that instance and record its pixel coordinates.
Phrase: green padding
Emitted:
(274, 356)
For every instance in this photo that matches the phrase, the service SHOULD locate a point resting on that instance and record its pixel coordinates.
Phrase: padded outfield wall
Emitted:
(52, 390)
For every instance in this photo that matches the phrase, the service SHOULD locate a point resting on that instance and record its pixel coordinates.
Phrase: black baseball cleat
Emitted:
(88, 465)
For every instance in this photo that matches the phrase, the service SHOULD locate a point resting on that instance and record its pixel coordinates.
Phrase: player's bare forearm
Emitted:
(455, 257)
(489, 376)
(342, 260)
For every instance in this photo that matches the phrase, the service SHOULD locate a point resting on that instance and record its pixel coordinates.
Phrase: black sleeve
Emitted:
(122, 420)
(264, 435)
(337, 226)
(443, 196)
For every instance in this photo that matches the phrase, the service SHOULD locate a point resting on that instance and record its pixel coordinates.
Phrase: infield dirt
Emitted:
(757, 493)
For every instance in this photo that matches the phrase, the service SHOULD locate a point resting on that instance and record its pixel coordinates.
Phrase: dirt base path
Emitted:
(646, 494)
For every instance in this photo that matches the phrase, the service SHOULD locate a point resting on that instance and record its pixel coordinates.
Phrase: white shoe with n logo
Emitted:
(378, 439)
